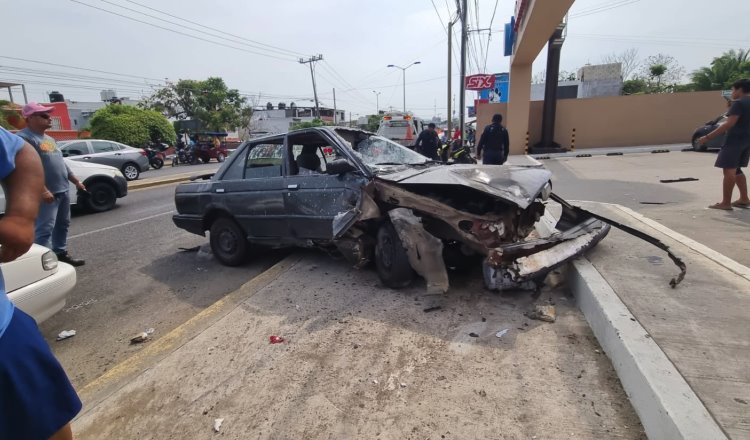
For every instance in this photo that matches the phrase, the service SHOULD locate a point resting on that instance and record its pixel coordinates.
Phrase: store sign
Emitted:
(480, 82)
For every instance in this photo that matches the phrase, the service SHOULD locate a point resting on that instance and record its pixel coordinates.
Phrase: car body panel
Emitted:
(38, 292)
(708, 127)
(87, 173)
(106, 152)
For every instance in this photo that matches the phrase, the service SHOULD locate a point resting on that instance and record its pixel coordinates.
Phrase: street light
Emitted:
(403, 70)
(377, 102)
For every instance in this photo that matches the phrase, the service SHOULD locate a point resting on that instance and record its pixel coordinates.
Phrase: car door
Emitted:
(106, 153)
(313, 200)
(251, 189)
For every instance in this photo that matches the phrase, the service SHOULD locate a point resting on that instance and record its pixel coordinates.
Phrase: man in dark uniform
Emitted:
(428, 142)
(494, 142)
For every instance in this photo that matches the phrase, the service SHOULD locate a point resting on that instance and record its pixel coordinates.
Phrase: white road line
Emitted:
(120, 225)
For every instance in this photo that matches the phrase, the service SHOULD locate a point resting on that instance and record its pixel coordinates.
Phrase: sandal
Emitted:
(718, 206)
(739, 204)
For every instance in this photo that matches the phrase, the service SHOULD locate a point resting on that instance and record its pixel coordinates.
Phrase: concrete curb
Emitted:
(164, 181)
(665, 403)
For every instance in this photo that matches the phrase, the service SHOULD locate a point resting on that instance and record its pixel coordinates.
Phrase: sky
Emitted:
(79, 47)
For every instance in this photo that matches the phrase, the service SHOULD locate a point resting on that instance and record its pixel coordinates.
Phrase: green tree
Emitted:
(724, 70)
(131, 125)
(6, 114)
(373, 123)
(657, 71)
(211, 102)
(634, 87)
(307, 124)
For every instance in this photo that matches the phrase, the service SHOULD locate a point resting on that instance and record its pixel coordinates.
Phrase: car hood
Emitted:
(517, 184)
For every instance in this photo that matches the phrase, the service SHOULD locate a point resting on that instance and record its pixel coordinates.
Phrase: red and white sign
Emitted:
(480, 82)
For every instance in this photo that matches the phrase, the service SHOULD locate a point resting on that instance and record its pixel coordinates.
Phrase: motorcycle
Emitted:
(184, 155)
(156, 156)
(456, 152)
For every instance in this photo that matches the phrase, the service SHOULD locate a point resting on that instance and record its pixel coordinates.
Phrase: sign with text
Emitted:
(499, 90)
(480, 82)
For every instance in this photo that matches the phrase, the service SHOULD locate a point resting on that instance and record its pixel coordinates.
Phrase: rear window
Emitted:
(395, 129)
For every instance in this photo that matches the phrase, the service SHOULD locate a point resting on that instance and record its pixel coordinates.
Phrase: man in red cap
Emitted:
(51, 228)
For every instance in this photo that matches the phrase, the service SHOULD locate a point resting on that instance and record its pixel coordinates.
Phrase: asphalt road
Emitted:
(167, 170)
(136, 277)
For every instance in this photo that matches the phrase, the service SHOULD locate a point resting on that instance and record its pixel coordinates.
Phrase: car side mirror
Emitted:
(65, 154)
(339, 166)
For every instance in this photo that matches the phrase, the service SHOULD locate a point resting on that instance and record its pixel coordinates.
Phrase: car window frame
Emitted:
(242, 157)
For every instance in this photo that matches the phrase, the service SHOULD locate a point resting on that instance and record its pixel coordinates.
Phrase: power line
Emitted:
(603, 8)
(65, 75)
(489, 36)
(182, 33)
(215, 29)
(479, 37)
(255, 46)
(77, 68)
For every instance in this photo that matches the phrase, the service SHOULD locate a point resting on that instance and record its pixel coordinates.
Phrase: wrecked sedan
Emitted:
(371, 199)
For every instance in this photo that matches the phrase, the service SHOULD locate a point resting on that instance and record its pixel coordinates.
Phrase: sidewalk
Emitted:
(702, 326)
(361, 361)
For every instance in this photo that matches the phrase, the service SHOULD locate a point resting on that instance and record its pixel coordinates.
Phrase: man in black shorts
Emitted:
(735, 154)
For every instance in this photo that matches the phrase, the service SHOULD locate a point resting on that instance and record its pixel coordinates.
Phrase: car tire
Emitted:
(697, 146)
(130, 171)
(101, 197)
(220, 157)
(228, 242)
(206, 159)
(391, 259)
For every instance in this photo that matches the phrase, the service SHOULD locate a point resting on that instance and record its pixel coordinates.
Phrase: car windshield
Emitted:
(376, 151)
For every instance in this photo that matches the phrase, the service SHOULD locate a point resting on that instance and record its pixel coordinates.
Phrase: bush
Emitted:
(131, 126)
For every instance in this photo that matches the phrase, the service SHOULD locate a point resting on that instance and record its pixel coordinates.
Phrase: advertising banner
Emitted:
(499, 91)
(480, 82)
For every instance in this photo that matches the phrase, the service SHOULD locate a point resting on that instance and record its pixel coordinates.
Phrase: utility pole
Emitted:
(377, 102)
(311, 61)
(462, 96)
(450, 75)
(334, 106)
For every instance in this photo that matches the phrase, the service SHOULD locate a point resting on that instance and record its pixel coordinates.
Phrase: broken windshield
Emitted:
(377, 151)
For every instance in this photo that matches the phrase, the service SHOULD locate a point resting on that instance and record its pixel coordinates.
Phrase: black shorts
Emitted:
(38, 399)
(733, 156)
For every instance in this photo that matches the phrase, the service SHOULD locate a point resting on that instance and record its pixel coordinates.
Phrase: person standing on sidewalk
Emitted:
(735, 153)
(38, 401)
(54, 213)
(428, 142)
(494, 142)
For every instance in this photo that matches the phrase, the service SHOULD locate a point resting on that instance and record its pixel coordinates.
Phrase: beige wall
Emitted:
(617, 120)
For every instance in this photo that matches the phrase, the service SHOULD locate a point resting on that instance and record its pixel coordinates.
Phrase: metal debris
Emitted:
(217, 424)
(502, 332)
(681, 179)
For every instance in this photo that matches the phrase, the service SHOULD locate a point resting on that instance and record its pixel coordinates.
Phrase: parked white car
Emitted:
(37, 283)
(105, 184)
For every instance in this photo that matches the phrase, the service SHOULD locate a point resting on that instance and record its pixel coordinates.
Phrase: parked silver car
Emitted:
(131, 161)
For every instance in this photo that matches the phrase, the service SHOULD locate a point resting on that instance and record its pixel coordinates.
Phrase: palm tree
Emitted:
(723, 71)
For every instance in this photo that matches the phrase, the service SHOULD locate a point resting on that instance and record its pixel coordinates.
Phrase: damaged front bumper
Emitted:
(524, 264)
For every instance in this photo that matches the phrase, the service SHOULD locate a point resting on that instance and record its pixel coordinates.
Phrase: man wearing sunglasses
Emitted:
(51, 228)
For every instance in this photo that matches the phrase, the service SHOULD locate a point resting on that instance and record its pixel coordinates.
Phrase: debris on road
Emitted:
(681, 179)
(653, 203)
(543, 313)
(275, 339)
(473, 335)
(502, 332)
(142, 337)
(65, 334)
(432, 309)
(217, 424)
(191, 249)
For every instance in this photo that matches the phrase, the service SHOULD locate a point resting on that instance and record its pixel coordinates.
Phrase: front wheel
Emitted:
(391, 259)
(101, 197)
(220, 157)
(228, 242)
(157, 163)
(131, 171)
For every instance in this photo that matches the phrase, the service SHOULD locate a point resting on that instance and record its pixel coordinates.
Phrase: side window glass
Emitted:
(102, 147)
(75, 149)
(237, 168)
(264, 161)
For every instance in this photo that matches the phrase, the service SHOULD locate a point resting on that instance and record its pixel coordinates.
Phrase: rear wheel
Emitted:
(697, 146)
(220, 157)
(130, 171)
(391, 259)
(206, 159)
(101, 197)
(228, 242)
(157, 163)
